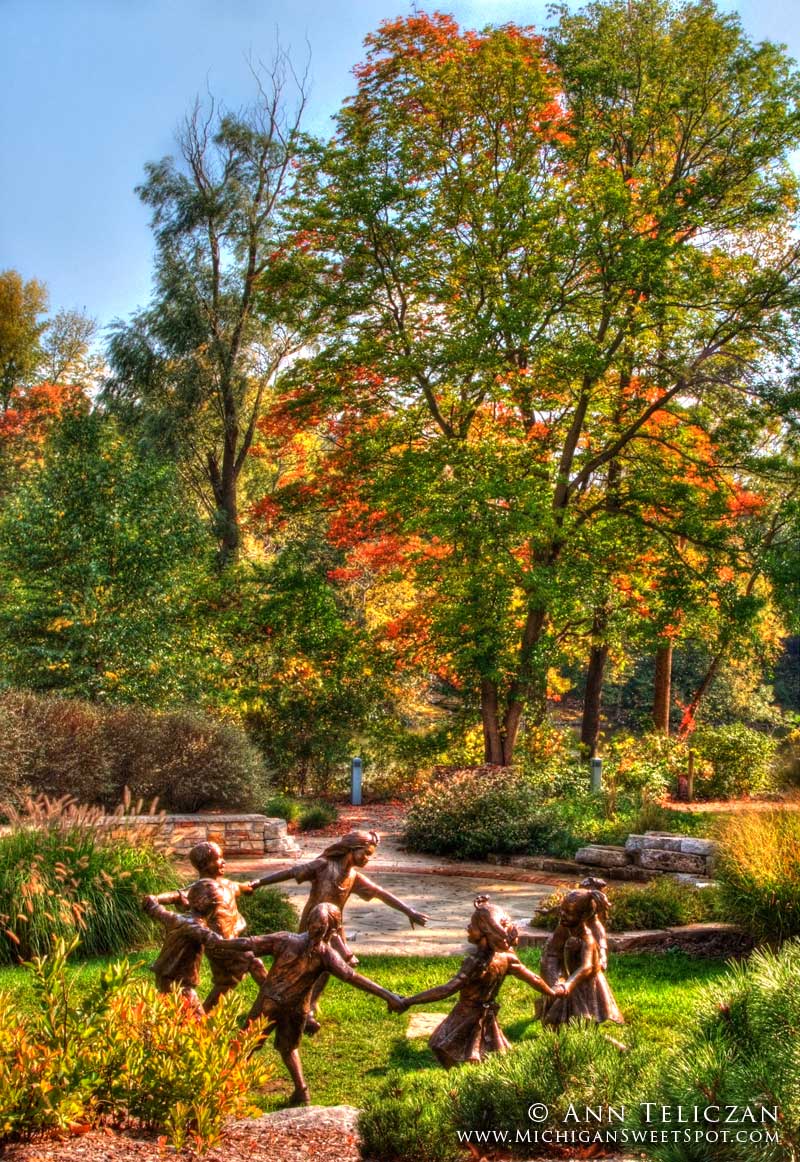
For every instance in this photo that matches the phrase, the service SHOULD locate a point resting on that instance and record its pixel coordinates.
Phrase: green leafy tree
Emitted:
(192, 369)
(524, 270)
(300, 674)
(101, 563)
(22, 304)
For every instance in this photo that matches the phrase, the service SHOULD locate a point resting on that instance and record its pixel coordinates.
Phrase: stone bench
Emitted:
(237, 835)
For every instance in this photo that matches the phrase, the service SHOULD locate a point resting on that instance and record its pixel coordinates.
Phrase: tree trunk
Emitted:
(228, 523)
(592, 703)
(493, 749)
(528, 690)
(227, 503)
(688, 721)
(662, 692)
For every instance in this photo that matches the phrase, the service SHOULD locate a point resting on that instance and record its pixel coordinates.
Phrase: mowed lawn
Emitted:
(360, 1041)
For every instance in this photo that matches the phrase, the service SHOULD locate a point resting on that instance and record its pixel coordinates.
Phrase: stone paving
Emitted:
(445, 889)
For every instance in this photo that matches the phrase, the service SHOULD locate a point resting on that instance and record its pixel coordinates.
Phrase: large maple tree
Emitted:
(531, 256)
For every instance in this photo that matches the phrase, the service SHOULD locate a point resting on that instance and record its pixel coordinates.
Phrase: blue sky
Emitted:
(92, 89)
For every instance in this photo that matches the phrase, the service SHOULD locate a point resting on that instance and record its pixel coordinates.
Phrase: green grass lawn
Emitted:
(359, 1041)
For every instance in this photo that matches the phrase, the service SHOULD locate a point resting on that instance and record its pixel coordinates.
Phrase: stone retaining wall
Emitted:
(641, 859)
(653, 852)
(237, 835)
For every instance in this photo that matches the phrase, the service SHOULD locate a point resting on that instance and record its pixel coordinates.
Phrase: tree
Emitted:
(101, 565)
(22, 303)
(67, 356)
(192, 369)
(526, 271)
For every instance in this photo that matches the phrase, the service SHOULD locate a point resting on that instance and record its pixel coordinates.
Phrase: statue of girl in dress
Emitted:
(574, 962)
(471, 1031)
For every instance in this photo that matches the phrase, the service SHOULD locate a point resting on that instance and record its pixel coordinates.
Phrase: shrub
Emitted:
(743, 1052)
(741, 761)
(418, 1118)
(52, 746)
(283, 807)
(412, 1117)
(316, 816)
(63, 875)
(577, 1066)
(56, 746)
(184, 759)
(758, 867)
(787, 760)
(268, 910)
(663, 903)
(118, 1052)
(474, 812)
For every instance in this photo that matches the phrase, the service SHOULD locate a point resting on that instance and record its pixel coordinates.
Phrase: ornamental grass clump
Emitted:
(758, 867)
(65, 872)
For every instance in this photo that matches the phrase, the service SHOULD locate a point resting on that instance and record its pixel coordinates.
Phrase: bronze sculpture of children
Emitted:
(178, 962)
(574, 960)
(298, 962)
(470, 1032)
(334, 876)
(224, 918)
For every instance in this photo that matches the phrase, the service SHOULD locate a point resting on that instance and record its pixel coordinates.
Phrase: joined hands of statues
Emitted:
(397, 1004)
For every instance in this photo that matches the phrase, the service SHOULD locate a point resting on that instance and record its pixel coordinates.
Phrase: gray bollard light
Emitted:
(597, 774)
(355, 782)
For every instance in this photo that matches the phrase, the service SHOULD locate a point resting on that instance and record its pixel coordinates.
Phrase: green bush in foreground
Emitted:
(268, 910)
(63, 875)
(744, 1052)
(418, 1118)
(120, 1053)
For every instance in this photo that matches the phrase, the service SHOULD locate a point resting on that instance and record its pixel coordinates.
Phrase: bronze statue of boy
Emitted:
(222, 917)
(299, 960)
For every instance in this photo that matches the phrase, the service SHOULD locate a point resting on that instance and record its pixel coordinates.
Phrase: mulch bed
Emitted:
(317, 1135)
(384, 817)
